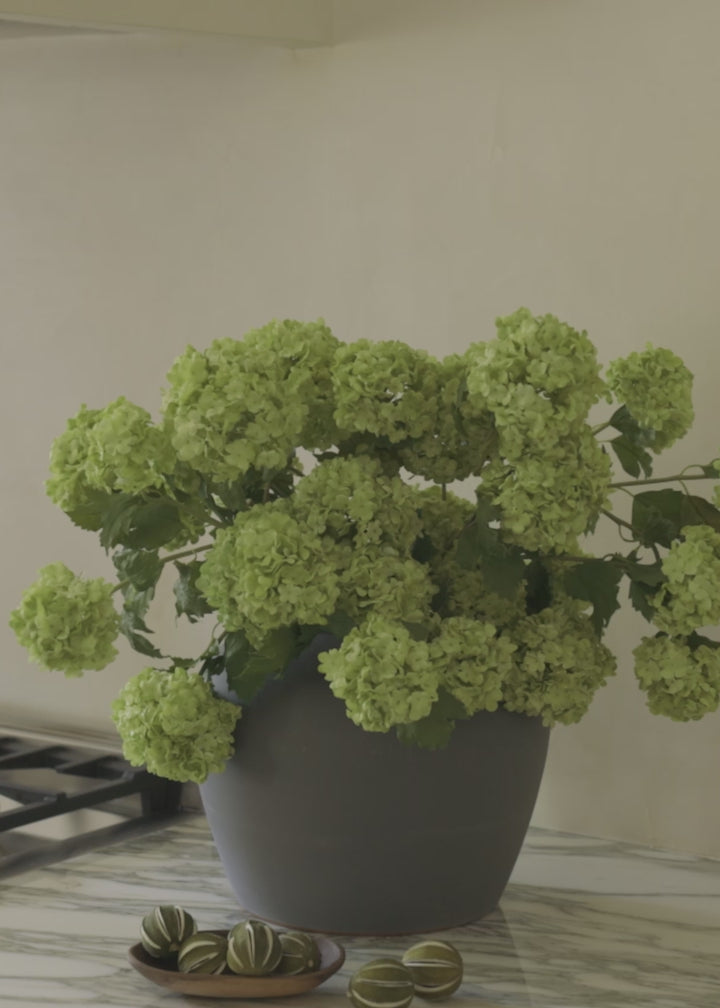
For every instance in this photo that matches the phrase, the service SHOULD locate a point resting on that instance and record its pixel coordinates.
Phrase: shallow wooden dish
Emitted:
(231, 985)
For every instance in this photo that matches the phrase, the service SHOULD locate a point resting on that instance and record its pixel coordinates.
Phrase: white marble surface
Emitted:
(584, 923)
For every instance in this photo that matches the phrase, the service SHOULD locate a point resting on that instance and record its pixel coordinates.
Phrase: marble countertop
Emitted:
(585, 923)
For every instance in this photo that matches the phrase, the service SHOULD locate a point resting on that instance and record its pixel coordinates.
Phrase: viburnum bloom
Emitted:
(268, 570)
(681, 682)
(690, 598)
(656, 387)
(385, 677)
(67, 623)
(475, 661)
(538, 377)
(248, 404)
(117, 448)
(174, 724)
(559, 665)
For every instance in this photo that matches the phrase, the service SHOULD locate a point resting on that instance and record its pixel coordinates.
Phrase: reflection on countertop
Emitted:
(584, 923)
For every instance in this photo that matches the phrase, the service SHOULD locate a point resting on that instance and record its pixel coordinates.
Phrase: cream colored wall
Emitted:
(444, 163)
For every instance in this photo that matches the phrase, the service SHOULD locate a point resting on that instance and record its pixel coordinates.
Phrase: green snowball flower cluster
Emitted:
(113, 449)
(656, 387)
(385, 388)
(350, 498)
(174, 724)
(67, 623)
(549, 500)
(398, 587)
(384, 676)
(286, 489)
(550, 477)
(539, 378)
(268, 570)
(690, 597)
(560, 664)
(475, 661)
(243, 405)
(681, 682)
(463, 436)
(463, 592)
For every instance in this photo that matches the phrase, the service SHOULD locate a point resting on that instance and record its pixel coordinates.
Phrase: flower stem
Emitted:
(184, 553)
(618, 521)
(601, 427)
(679, 477)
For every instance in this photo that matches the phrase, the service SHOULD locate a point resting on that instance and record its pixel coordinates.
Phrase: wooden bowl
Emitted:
(232, 985)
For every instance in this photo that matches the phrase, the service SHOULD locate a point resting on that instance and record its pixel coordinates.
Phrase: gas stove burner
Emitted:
(57, 799)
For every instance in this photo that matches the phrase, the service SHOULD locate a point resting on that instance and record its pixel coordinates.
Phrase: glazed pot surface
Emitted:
(322, 826)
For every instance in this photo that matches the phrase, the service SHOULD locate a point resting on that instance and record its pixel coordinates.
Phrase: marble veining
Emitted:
(584, 923)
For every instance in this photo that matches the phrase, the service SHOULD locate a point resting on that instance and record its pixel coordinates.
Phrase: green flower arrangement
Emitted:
(428, 513)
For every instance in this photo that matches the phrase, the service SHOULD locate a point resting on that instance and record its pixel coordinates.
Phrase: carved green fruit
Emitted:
(379, 983)
(300, 953)
(253, 948)
(203, 952)
(164, 929)
(436, 968)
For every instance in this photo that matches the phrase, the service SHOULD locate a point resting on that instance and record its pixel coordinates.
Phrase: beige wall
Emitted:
(443, 163)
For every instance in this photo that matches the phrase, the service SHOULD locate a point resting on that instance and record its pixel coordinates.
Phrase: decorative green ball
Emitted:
(203, 952)
(436, 968)
(381, 982)
(164, 929)
(254, 948)
(300, 953)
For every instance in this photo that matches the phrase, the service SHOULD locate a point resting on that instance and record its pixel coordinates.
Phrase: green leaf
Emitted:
(339, 624)
(131, 620)
(705, 513)
(480, 546)
(710, 471)
(695, 640)
(248, 669)
(632, 456)
(423, 550)
(136, 604)
(154, 523)
(117, 519)
(658, 516)
(236, 651)
(640, 596)
(595, 581)
(538, 591)
(648, 574)
(139, 524)
(189, 601)
(139, 642)
(435, 730)
(91, 513)
(142, 568)
(418, 631)
(503, 571)
(623, 420)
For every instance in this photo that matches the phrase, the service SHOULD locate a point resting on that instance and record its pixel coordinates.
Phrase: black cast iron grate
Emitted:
(52, 779)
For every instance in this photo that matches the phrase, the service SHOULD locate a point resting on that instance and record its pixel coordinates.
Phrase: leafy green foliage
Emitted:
(435, 730)
(440, 607)
(658, 516)
(138, 523)
(132, 621)
(633, 458)
(480, 545)
(189, 600)
(631, 446)
(142, 568)
(597, 582)
(248, 669)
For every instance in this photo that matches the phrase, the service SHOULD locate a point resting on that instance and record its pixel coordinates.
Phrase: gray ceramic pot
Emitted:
(325, 827)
